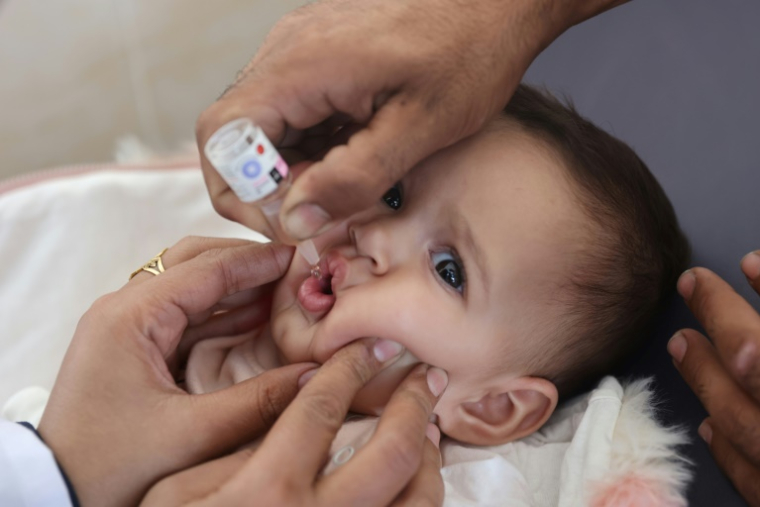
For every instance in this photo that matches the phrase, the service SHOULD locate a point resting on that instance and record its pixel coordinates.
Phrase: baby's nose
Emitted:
(373, 241)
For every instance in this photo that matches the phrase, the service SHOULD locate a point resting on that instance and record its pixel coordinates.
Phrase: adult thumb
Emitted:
(224, 420)
(352, 176)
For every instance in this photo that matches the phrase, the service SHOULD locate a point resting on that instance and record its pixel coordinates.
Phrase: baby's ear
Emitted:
(522, 407)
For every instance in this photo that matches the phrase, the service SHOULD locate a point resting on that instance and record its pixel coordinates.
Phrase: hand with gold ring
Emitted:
(116, 421)
(155, 266)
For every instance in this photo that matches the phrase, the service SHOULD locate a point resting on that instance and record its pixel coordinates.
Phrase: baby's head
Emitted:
(525, 261)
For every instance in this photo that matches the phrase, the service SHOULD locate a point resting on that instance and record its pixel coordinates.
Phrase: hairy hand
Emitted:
(365, 89)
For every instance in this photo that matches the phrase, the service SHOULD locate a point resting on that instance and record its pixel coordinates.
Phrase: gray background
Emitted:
(679, 81)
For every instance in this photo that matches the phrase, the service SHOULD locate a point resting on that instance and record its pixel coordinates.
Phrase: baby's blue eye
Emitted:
(394, 197)
(449, 269)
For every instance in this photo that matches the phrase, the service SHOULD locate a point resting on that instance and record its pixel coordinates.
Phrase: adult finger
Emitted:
(733, 411)
(198, 284)
(226, 419)
(195, 483)
(254, 98)
(351, 176)
(188, 248)
(427, 486)
(248, 297)
(751, 267)
(309, 425)
(395, 448)
(741, 472)
(731, 323)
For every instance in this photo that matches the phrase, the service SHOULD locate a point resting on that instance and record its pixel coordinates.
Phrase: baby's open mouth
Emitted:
(325, 284)
(316, 294)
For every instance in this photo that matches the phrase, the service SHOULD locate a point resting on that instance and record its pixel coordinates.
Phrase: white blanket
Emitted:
(75, 235)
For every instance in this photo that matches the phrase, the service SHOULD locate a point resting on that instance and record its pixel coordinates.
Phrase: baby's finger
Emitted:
(395, 449)
(249, 297)
(298, 443)
(743, 474)
(731, 323)
(734, 412)
(230, 323)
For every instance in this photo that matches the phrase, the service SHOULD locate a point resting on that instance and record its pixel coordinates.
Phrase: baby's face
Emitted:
(464, 273)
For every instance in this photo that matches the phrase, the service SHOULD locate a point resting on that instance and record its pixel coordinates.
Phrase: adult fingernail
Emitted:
(434, 434)
(705, 431)
(677, 346)
(751, 265)
(306, 376)
(305, 221)
(385, 350)
(437, 381)
(686, 284)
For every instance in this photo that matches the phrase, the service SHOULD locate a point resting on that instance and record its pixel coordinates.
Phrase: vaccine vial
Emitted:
(243, 155)
(245, 158)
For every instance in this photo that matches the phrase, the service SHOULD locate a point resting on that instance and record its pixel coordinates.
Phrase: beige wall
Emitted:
(76, 75)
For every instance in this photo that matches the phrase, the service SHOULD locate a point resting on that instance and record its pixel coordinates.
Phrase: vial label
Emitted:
(243, 155)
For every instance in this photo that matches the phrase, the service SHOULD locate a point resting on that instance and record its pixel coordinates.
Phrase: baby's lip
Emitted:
(312, 298)
(332, 267)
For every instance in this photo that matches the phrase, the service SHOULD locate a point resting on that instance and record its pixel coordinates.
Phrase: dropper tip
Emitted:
(308, 251)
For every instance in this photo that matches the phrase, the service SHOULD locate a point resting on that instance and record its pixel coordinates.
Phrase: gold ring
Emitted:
(154, 266)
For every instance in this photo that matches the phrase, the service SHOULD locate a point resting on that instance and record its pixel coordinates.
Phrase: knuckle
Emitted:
(217, 257)
(202, 124)
(206, 122)
(188, 243)
(745, 362)
(744, 429)
(357, 360)
(223, 208)
(416, 401)
(268, 404)
(326, 410)
(699, 379)
(103, 303)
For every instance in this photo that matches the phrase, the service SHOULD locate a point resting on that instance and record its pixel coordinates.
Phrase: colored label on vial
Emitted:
(257, 170)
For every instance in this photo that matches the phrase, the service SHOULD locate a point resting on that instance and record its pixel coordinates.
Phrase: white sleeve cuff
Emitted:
(29, 475)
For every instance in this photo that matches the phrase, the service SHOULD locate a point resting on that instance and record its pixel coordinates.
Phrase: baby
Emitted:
(525, 261)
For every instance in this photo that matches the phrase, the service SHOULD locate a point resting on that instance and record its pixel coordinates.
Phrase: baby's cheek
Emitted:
(292, 336)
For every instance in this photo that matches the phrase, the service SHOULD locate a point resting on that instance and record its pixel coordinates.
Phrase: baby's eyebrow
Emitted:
(462, 229)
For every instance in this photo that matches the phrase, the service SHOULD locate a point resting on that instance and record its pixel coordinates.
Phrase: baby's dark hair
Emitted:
(638, 248)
